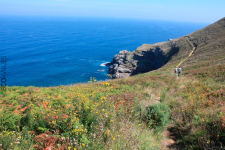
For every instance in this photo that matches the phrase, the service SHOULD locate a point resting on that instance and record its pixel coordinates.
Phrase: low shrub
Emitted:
(157, 116)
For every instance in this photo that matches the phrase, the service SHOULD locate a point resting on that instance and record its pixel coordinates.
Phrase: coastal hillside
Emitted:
(209, 44)
(149, 110)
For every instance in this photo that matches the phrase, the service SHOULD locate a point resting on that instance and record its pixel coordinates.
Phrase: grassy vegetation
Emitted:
(91, 116)
(120, 114)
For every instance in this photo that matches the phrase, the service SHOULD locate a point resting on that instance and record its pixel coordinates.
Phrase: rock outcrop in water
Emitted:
(144, 59)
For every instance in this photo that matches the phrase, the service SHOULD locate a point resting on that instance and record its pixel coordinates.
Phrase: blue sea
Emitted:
(51, 51)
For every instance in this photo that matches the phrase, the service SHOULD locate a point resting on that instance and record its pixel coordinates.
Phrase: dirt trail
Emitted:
(170, 137)
(193, 49)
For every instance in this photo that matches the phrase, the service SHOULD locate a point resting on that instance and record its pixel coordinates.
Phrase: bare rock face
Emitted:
(118, 68)
(143, 59)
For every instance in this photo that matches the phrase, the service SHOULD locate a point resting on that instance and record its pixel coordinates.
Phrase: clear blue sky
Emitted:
(207, 11)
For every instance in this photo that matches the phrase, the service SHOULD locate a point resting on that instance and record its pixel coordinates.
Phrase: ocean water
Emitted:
(47, 52)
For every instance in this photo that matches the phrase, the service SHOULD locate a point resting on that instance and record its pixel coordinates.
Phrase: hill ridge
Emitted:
(150, 57)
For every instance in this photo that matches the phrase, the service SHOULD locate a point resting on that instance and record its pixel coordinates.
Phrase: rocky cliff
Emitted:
(143, 59)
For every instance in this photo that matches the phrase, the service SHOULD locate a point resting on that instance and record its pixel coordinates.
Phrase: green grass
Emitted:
(109, 115)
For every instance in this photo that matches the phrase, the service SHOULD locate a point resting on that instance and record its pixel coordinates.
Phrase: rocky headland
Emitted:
(150, 57)
(143, 59)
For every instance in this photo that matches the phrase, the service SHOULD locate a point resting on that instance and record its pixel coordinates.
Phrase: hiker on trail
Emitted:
(179, 71)
(175, 70)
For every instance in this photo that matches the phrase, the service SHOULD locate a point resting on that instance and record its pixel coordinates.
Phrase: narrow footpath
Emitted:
(170, 137)
(193, 49)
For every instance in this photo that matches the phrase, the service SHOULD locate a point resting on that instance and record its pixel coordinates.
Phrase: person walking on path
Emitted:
(179, 71)
(175, 70)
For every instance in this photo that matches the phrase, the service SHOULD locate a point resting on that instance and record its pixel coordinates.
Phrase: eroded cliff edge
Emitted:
(146, 58)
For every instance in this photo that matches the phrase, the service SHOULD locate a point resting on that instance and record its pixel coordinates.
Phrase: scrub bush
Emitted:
(157, 115)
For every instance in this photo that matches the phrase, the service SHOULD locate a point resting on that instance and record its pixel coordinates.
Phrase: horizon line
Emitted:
(100, 17)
